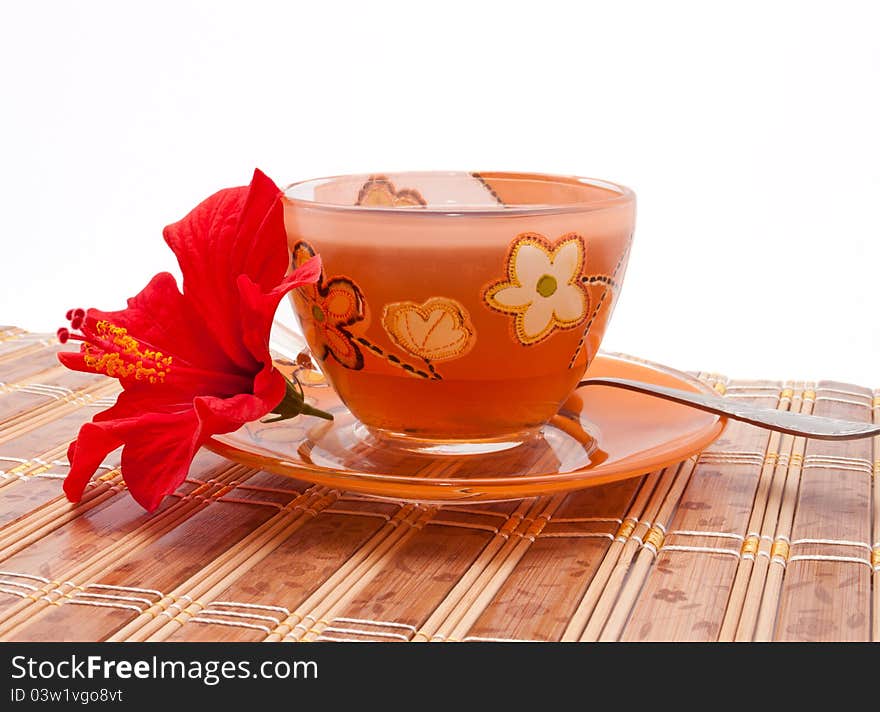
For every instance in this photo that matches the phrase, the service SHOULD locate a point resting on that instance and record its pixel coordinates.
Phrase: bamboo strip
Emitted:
(767, 532)
(46, 396)
(642, 567)
(17, 614)
(39, 522)
(346, 575)
(875, 553)
(491, 568)
(746, 564)
(601, 594)
(371, 568)
(26, 350)
(359, 570)
(132, 630)
(39, 375)
(501, 540)
(689, 585)
(826, 591)
(474, 605)
(738, 590)
(609, 595)
(766, 616)
(45, 381)
(222, 571)
(24, 343)
(515, 529)
(40, 463)
(32, 420)
(578, 622)
(717, 381)
(224, 577)
(45, 413)
(34, 466)
(9, 333)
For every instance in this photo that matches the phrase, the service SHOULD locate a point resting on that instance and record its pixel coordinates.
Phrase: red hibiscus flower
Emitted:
(196, 363)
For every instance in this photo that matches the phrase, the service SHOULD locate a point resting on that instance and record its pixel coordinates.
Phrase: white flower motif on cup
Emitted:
(543, 289)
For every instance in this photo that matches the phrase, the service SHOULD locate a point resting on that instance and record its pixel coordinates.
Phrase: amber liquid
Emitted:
(453, 408)
(499, 387)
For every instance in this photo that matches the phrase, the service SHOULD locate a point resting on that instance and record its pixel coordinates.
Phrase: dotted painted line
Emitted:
(396, 361)
(433, 371)
(607, 281)
(488, 187)
(600, 279)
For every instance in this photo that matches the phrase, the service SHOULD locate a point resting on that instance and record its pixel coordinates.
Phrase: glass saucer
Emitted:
(600, 435)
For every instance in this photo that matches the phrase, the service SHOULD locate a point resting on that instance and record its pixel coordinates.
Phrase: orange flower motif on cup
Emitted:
(543, 290)
(437, 330)
(329, 308)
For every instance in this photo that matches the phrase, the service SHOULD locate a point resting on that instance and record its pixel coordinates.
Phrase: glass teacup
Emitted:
(455, 306)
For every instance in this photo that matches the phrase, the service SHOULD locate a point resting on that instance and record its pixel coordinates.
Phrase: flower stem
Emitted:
(294, 404)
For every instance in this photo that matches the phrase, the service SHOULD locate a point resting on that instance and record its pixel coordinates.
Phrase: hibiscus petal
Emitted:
(85, 454)
(257, 308)
(160, 317)
(265, 258)
(304, 275)
(223, 415)
(216, 242)
(157, 454)
(75, 361)
(135, 401)
(257, 312)
(157, 451)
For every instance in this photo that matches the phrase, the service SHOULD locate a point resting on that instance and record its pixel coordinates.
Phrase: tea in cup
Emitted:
(457, 306)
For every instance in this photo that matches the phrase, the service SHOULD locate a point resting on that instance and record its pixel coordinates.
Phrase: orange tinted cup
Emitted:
(458, 306)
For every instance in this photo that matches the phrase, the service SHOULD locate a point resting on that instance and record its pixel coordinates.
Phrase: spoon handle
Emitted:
(813, 426)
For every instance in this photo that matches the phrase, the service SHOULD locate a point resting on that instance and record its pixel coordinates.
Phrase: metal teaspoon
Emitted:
(813, 426)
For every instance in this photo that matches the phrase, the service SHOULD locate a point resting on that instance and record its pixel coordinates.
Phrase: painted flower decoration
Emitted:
(437, 330)
(543, 289)
(196, 363)
(330, 308)
(379, 191)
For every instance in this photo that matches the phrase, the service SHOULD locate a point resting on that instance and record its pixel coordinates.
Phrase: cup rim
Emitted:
(623, 195)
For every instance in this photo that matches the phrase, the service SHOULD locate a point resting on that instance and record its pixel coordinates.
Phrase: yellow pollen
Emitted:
(128, 359)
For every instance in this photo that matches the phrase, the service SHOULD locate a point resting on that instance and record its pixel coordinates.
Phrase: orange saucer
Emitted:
(601, 434)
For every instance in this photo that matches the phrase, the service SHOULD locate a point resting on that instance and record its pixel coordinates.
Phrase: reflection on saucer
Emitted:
(600, 435)
(351, 446)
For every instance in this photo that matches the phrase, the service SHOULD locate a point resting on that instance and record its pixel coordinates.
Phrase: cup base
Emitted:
(434, 447)
(353, 446)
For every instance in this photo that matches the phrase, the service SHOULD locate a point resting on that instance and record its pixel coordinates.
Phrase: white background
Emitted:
(749, 131)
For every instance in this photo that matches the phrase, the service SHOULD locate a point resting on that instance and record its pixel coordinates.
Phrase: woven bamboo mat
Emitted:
(761, 537)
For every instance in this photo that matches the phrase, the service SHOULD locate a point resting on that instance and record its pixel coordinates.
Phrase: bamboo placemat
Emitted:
(761, 537)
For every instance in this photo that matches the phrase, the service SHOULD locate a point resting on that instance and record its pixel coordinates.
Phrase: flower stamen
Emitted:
(109, 349)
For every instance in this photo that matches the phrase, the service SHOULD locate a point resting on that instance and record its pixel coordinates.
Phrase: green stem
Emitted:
(294, 404)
